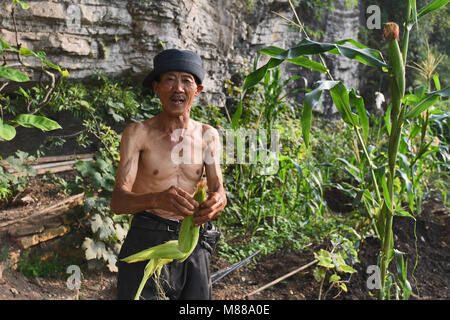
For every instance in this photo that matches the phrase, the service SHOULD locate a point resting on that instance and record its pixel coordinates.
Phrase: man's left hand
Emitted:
(210, 208)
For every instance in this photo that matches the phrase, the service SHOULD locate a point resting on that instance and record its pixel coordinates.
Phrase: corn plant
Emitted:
(377, 194)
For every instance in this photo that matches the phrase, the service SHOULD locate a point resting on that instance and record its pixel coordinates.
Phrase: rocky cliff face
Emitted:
(118, 37)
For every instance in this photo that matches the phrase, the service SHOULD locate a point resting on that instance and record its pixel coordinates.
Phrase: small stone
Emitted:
(27, 200)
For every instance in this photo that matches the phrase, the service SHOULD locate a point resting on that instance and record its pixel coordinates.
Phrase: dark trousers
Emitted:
(180, 281)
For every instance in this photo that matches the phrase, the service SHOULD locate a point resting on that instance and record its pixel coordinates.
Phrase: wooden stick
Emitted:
(282, 278)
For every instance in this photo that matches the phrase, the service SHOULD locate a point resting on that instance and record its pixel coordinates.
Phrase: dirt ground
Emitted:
(429, 278)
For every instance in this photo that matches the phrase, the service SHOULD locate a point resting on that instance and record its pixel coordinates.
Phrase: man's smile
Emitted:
(178, 99)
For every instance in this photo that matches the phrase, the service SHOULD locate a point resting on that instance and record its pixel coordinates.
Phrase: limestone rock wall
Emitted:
(121, 37)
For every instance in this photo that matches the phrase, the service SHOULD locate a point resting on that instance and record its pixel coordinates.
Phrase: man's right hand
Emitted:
(176, 201)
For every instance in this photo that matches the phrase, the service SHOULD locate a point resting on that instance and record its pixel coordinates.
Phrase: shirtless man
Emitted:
(156, 179)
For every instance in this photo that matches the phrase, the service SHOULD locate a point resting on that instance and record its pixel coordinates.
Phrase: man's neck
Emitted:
(170, 124)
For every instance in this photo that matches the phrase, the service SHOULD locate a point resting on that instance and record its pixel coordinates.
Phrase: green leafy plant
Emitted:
(11, 183)
(12, 112)
(377, 191)
(30, 119)
(36, 265)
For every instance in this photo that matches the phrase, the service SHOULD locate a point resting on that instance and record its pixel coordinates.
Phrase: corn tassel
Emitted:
(171, 250)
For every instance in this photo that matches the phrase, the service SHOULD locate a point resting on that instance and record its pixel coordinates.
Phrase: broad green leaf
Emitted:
(340, 97)
(256, 76)
(324, 258)
(361, 53)
(437, 84)
(4, 45)
(366, 56)
(341, 265)
(334, 278)
(430, 7)
(40, 122)
(26, 52)
(307, 47)
(319, 274)
(403, 213)
(310, 64)
(13, 74)
(310, 100)
(426, 102)
(272, 51)
(387, 119)
(7, 132)
(358, 102)
(65, 73)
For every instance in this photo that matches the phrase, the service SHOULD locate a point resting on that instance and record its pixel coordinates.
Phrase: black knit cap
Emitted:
(175, 60)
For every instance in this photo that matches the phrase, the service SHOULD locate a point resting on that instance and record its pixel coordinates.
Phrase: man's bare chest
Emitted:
(177, 155)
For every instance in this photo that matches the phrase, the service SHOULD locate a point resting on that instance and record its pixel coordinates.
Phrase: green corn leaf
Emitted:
(358, 102)
(432, 6)
(387, 119)
(310, 100)
(40, 122)
(307, 63)
(437, 84)
(256, 76)
(306, 47)
(7, 132)
(403, 213)
(402, 268)
(13, 74)
(426, 102)
(408, 187)
(387, 196)
(340, 97)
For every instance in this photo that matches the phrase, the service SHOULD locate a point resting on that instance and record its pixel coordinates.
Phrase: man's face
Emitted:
(176, 91)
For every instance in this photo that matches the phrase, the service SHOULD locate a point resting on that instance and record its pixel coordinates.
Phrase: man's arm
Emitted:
(125, 201)
(217, 198)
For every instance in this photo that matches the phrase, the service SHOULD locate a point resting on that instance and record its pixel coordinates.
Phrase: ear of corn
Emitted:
(396, 66)
(171, 250)
(167, 250)
(188, 237)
